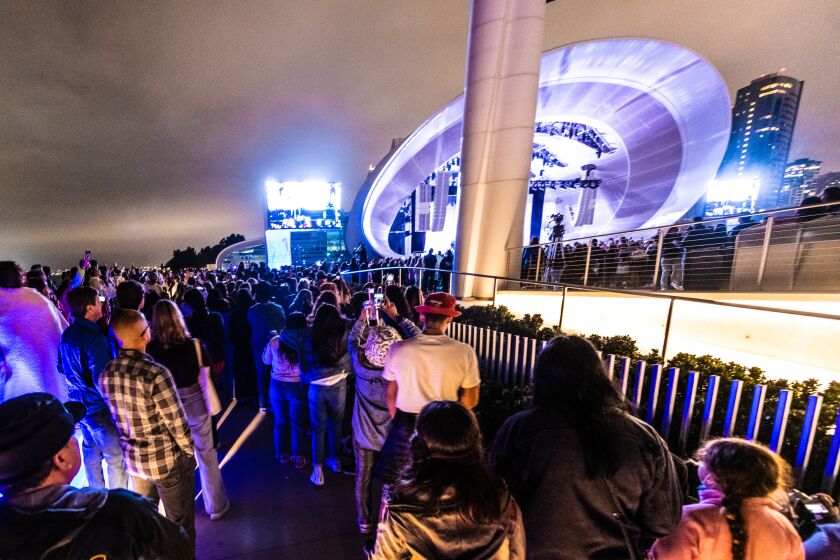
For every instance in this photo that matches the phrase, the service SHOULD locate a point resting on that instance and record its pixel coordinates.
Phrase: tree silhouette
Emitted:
(190, 258)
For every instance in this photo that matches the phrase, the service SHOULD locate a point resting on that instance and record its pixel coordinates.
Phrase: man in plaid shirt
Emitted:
(156, 441)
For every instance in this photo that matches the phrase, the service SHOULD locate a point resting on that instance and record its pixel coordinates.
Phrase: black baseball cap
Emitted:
(33, 428)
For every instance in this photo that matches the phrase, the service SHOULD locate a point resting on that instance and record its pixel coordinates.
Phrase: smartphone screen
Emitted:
(816, 508)
(101, 299)
(378, 299)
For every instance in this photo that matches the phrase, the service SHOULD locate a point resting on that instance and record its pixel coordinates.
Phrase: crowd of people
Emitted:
(698, 256)
(120, 354)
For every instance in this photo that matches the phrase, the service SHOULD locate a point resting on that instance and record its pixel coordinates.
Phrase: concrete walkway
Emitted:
(276, 513)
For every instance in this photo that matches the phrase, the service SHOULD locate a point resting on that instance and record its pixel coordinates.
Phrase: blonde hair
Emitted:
(168, 326)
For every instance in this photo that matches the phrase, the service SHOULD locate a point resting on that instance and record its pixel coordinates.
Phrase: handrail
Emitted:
(716, 219)
(639, 293)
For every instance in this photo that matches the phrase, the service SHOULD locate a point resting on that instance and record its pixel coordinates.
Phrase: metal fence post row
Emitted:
(688, 408)
(709, 408)
(732, 407)
(777, 438)
(495, 355)
(653, 392)
(809, 430)
(638, 385)
(610, 365)
(670, 399)
(533, 361)
(757, 408)
(832, 463)
(623, 376)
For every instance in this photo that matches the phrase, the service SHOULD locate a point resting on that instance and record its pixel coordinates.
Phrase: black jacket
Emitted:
(62, 522)
(570, 516)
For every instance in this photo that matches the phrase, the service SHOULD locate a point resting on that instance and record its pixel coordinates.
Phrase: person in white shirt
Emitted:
(426, 368)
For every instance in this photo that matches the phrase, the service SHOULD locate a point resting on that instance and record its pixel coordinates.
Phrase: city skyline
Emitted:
(135, 130)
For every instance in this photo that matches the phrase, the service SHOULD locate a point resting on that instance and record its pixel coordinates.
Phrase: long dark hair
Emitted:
(395, 295)
(446, 468)
(328, 335)
(742, 469)
(570, 379)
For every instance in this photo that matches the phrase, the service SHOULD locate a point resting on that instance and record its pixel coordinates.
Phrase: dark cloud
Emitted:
(134, 128)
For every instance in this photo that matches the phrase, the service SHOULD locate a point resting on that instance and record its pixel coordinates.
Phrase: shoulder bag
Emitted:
(205, 381)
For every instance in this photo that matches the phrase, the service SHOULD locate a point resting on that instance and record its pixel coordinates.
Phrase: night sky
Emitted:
(133, 128)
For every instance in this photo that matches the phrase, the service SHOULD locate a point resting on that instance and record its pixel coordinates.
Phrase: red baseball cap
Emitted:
(439, 303)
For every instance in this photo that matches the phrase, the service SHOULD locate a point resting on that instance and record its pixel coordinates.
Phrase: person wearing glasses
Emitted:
(154, 433)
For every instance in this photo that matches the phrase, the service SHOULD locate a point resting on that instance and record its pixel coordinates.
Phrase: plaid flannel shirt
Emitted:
(148, 414)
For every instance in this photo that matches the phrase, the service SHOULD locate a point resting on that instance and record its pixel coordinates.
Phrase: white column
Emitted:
(503, 66)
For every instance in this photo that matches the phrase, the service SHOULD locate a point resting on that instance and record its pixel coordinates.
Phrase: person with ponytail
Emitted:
(447, 504)
(738, 516)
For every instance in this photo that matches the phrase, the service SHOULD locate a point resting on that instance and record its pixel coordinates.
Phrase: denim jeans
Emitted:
(100, 440)
(326, 411)
(287, 401)
(212, 487)
(176, 491)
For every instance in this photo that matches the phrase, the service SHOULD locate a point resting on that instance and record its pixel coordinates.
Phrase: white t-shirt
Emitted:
(430, 368)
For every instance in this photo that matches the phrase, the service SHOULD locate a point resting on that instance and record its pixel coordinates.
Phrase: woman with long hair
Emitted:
(239, 336)
(591, 479)
(324, 366)
(737, 516)
(447, 503)
(327, 297)
(302, 302)
(413, 297)
(286, 395)
(173, 347)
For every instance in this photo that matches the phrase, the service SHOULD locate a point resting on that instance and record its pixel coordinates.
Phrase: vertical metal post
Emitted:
(533, 360)
(757, 408)
(777, 439)
(638, 384)
(653, 391)
(610, 365)
(517, 370)
(656, 266)
(539, 256)
(762, 263)
(667, 332)
(495, 355)
(507, 357)
(709, 408)
(495, 289)
(670, 399)
(832, 463)
(688, 408)
(624, 375)
(732, 407)
(562, 309)
(809, 430)
(586, 265)
(400, 276)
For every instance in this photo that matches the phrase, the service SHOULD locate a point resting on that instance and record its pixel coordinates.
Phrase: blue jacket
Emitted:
(83, 353)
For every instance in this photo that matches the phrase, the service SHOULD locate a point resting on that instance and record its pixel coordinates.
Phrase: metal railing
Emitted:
(669, 402)
(442, 279)
(792, 249)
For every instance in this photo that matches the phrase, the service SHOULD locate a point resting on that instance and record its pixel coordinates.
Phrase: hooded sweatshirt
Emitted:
(63, 522)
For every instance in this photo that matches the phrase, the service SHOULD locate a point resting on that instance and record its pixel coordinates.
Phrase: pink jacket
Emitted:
(703, 533)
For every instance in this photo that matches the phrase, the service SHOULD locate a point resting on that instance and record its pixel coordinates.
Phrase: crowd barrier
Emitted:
(652, 394)
(787, 250)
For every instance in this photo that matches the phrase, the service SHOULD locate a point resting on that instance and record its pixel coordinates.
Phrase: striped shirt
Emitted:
(148, 414)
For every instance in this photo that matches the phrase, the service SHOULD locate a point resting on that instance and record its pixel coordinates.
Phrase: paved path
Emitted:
(276, 513)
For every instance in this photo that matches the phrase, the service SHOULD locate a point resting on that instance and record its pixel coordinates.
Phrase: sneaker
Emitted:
(334, 464)
(317, 477)
(221, 513)
(300, 461)
(284, 458)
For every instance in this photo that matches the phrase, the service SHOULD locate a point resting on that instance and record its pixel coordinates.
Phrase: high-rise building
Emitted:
(825, 181)
(762, 129)
(800, 182)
